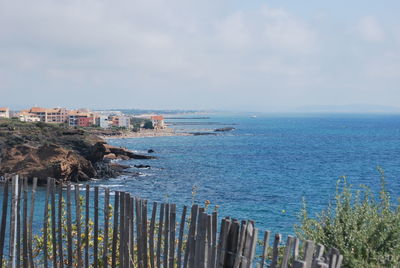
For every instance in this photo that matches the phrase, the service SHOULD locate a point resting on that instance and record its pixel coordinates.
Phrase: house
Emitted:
(158, 122)
(57, 115)
(4, 113)
(28, 117)
(103, 121)
(124, 121)
(81, 118)
(52, 115)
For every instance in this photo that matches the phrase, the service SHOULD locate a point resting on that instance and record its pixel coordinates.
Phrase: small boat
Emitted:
(253, 116)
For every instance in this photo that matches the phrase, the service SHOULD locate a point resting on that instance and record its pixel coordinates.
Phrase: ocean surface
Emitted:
(265, 167)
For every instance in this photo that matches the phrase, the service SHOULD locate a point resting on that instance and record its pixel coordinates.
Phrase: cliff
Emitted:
(43, 150)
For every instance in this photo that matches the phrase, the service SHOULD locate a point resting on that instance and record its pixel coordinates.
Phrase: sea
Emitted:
(265, 169)
(268, 167)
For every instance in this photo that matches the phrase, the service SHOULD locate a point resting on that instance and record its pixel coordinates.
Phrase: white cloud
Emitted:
(370, 29)
(197, 50)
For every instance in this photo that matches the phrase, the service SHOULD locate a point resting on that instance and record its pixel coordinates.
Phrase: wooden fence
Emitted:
(84, 227)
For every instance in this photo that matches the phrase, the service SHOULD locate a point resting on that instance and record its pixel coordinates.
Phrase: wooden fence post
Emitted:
(115, 231)
(267, 235)
(181, 232)
(275, 250)
(45, 224)
(78, 226)
(60, 225)
(159, 235)
(106, 224)
(53, 221)
(25, 225)
(69, 226)
(3, 220)
(151, 239)
(87, 211)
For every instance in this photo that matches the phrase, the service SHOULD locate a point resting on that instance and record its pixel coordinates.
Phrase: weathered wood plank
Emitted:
(30, 223)
(180, 239)
(138, 212)
(127, 199)
(87, 211)
(144, 228)
(253, 247)
(106, 225)
(214, 239)
(296, 248)
(166, 233)
(172, 223)
(241, 244)
(222, 243)
(20, 189)
(53, 222)
(25, 225)
(267, 235)
(69, 226)
(192, 235)
(151, 234)
(3, 220)
(60, 225)
(121, 227)
(78, 226)
(96, 228)
(209, 239)
(45, 225)
(159, 235)
(131, 233)
(275, 251)
(115, 231)
(308, 253)
(288, 251)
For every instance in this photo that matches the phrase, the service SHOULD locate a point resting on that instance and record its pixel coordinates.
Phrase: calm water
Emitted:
(264, 168)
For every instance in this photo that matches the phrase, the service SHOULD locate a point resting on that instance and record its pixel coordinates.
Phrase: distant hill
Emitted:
(351, 108)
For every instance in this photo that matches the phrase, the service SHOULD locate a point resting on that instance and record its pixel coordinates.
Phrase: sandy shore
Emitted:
(147, 133)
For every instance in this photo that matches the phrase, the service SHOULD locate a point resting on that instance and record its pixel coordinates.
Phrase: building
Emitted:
(57, 115)
(103, 121)
(81, 118)
(52, 115)
(4, 113)
(124, 121)
(28, 117)
(158, 122)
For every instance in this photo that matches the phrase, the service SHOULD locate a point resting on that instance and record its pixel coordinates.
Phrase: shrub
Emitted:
(365, 228)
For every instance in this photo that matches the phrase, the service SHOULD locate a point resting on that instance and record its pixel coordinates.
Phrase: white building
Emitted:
(104, 122)
(27, 117)
(124, 121)
(4, 113)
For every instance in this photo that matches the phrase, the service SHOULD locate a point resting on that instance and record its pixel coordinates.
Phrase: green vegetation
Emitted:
(365, 228)
(148, 125)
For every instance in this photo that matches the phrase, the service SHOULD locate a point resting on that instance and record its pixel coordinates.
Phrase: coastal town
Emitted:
(85, 118)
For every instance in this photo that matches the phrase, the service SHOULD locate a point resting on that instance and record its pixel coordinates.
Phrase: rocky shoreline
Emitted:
(42, 150)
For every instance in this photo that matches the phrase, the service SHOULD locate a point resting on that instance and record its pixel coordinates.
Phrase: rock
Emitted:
(202, 133)
(118, 151)
(224, 129)
(142, 166)
(45, 150)
(150, 151)
(110, 156)
(118, 167)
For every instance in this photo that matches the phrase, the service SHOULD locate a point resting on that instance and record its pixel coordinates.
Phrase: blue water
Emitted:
(264, 168)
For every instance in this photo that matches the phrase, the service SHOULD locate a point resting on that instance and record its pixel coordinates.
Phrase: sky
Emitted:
(211, 54)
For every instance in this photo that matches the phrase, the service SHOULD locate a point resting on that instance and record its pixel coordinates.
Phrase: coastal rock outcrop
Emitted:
(44, 150)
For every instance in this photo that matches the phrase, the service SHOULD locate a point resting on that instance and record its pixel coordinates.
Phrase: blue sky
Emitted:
(181, 54)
